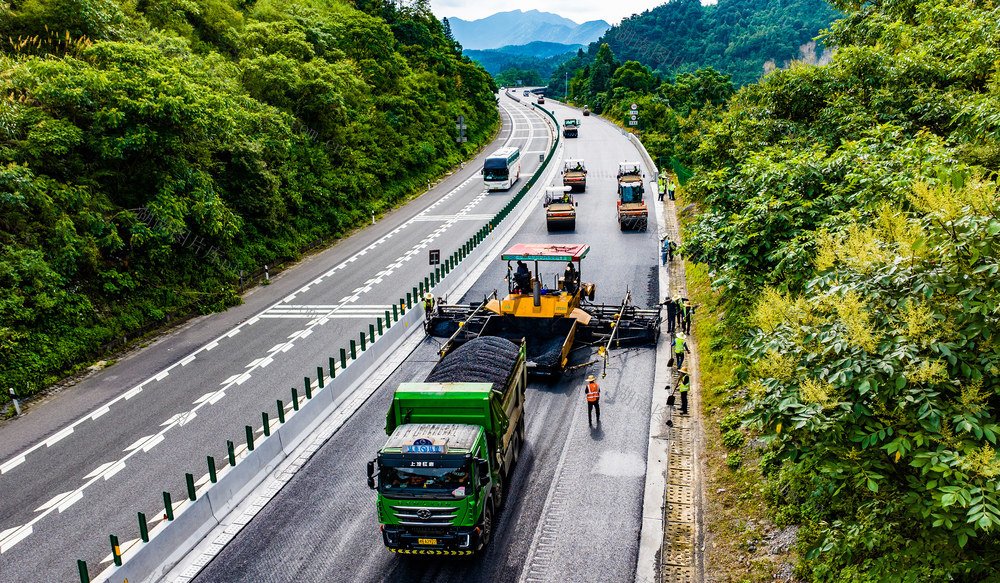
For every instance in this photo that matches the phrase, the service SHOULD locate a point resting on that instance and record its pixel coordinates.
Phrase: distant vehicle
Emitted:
(574, 174)
(541, 99)
(560, 209)
(586, 110)
(527, 93)
(571, 127)
(502, 169)
(503, 89)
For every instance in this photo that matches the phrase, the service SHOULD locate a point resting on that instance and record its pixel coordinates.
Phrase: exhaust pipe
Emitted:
(536, 289)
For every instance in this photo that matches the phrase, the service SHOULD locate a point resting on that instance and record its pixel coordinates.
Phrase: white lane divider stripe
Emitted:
(70, 500)
(54, 501)
(99, 470)
(100, 412)
(11, 464)
(16, 535)
(58, 437)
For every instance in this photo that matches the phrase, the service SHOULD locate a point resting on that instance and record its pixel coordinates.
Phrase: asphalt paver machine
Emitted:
(552, 311)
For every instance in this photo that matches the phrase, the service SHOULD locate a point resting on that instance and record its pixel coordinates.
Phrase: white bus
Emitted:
(502, 169)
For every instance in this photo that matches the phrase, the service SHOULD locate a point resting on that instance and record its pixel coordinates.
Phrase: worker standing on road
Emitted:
(671, 314)
(688, 316)
(665, 249)
(683, 386)
(593, 399)
(680, 347)
(428, 304)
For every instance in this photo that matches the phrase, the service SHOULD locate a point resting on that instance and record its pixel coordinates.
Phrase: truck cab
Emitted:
(632, 210)
(571, 127)
(433, 483)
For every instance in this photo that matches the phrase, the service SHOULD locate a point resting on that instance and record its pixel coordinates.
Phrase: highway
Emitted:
(81, 465)
(574, 504)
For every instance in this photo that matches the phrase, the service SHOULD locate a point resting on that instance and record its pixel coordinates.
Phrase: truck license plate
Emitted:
(427, 541)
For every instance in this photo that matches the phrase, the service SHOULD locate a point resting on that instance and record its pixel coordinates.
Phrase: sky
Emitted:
(576, 10)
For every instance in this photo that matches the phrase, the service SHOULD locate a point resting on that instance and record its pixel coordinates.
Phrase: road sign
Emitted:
(460, 119)
(435, 256)
(634, 106)
(634, 117)
(460, 126)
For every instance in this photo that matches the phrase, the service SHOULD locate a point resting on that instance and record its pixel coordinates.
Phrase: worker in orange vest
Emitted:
(593, 399)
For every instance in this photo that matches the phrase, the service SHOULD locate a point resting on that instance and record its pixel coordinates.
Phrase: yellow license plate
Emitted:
(427, 541)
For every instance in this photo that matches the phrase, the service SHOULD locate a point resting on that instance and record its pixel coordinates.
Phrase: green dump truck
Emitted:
(453, 441)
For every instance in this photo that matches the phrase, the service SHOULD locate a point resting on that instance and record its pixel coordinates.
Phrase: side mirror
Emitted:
(371, 474)
(483, 171)
(483, 467)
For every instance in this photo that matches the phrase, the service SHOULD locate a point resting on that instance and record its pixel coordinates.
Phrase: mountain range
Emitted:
(517, 27)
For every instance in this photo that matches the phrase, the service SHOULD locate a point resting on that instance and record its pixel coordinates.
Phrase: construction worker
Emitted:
(671, 314)
(688, 315)
(522, 278)
(679, 303)
(683, 386)
(593, 399)
(661, 186)
(569, 278)
(680, 347)
(670, 187)
(665, 248)
(428, 304)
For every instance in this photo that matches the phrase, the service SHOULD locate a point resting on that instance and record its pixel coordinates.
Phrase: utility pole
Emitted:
(566, 99)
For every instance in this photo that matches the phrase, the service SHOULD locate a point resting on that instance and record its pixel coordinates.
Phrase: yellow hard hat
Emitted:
(683, 369)
(591, 378)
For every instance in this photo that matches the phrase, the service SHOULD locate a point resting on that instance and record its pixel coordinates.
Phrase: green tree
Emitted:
(632, 77)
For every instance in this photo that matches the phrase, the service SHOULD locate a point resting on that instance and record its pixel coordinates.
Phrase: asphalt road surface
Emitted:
(575, 499)
(80, 466)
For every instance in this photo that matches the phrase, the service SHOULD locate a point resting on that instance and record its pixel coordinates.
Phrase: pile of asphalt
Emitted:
(487, 359)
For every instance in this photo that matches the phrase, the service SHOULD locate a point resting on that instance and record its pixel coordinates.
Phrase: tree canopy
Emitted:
(152, 152)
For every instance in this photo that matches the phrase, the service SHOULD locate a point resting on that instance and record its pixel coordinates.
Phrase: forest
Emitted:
(152, 152)
(744, 39)
(844, 248)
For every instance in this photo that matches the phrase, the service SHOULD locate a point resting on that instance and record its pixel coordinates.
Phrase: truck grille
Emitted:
(425, 515)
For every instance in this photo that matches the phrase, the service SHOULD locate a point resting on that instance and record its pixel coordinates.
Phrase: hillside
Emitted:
(539, 56)
(519, 28)
(152, 155)
(742, 38)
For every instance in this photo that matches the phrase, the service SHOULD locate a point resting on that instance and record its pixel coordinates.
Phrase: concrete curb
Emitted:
(658, 450)
(170, 541)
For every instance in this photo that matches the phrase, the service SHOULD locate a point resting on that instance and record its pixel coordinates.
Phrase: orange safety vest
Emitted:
(593, 392)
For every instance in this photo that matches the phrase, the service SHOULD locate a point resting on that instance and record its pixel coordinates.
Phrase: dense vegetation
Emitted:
(741, 38)
(849, 225)
(152, 150)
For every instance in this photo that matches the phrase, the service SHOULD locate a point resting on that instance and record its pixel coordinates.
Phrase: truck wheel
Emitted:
(572, 225)
(520, 431)
(487, 527)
